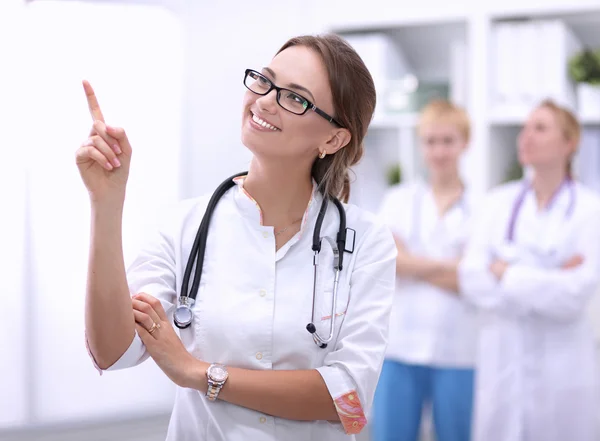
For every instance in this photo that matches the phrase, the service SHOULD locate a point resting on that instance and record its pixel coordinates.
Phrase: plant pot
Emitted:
(588, 101)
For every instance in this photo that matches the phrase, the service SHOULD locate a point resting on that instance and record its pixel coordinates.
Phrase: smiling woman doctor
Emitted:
(532, 265)
(247, 368)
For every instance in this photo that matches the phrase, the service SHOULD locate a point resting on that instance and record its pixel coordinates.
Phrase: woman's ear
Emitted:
(572, 150)
(339, 139)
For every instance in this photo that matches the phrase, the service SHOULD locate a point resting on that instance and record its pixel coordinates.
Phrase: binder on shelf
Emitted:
(383, 57)
(529, 64)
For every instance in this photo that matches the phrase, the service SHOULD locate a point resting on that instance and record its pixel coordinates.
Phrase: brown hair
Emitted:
(569, 125)
(353, 93)
(441, 110)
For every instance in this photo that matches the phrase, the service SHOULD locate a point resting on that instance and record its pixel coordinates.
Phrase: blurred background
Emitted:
(170, 72)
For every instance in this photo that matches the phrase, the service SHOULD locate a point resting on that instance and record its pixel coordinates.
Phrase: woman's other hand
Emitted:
(161, 340)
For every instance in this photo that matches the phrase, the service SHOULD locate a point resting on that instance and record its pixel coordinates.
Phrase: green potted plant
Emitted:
(394, 174)
(584, 69)
(514, 172)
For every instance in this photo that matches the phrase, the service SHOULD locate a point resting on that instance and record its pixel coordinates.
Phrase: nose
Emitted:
(437, 150)
(268, 103)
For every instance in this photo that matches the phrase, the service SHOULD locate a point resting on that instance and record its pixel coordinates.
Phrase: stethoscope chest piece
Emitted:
(183, 314)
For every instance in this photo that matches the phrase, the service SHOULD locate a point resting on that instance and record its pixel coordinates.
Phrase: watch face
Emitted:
(217, 373)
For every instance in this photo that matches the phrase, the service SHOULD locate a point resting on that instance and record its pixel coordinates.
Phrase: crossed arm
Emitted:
(440, 273)
(559, 294)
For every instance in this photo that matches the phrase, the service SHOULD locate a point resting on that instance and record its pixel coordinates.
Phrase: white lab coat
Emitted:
(429, 326)
(253, 306)
(536, 371)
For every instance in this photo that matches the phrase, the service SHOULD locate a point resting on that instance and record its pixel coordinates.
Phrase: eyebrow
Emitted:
(290, 85)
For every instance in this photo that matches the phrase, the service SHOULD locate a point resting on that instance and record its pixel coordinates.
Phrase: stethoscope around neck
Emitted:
(568, 182)
(184, 315)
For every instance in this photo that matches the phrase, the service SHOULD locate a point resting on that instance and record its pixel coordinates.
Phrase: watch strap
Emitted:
(213, 390)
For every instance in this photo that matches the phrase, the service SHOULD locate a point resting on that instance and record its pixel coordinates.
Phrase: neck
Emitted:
(281, 190)
(546, 182)
(446, 183)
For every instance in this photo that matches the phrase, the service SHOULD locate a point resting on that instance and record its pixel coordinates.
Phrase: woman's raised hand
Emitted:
(103, 159)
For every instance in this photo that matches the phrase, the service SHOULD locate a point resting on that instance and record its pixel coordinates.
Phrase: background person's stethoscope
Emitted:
(184, 315)
(508, 250)
(568, 182)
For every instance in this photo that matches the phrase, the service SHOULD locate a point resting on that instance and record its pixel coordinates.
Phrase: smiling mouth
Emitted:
(263, 123)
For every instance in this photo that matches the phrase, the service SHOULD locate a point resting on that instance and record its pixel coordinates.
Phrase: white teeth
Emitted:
(265, 124)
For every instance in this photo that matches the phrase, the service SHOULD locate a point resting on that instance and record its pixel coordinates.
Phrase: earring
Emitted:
(322, 154)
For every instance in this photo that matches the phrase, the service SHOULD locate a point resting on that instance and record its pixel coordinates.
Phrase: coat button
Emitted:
(263, 292)
(265, 234)
(258, 356)
(263, 420)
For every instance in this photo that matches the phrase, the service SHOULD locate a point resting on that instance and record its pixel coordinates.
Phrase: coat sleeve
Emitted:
(558, 294)
(477, 285)
(351, 371)
(152, 271)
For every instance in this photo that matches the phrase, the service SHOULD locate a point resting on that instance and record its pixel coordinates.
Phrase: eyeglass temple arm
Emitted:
(324, 115)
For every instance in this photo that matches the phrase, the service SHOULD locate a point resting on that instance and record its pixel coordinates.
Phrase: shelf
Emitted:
(425, 47)
(462, 48)
(584, 23)
(529, 62)
(575, 11)
(395, 121)
(434, 56)
(590, 120)
(518, 119)
(350, 16)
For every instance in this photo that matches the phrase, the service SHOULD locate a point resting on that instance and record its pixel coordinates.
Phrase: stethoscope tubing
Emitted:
(183, 315)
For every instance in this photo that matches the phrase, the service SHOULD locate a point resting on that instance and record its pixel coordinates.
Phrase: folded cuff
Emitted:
(345, 398)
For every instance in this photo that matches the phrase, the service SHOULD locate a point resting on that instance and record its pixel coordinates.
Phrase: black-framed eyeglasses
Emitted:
(288, 99)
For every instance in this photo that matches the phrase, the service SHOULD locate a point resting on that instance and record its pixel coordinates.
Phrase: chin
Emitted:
(524, 160)
(442, 170)
(256, 145)
(251, 143)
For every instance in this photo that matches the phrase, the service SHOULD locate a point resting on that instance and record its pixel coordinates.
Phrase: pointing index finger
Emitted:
(92, 102)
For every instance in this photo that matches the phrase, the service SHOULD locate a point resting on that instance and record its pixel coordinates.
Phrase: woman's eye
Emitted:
(296, 98)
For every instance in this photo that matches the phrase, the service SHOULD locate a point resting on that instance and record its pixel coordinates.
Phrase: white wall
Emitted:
(223, 39)
(134, 58)
(135, 65)
(13, 357)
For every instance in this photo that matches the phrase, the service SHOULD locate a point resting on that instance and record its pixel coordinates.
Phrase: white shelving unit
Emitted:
(431, 52)
(427, 37)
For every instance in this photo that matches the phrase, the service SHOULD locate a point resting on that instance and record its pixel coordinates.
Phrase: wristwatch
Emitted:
(217, 376)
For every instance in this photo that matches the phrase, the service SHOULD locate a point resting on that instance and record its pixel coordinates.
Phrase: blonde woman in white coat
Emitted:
(532, 266)
(431, 352)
